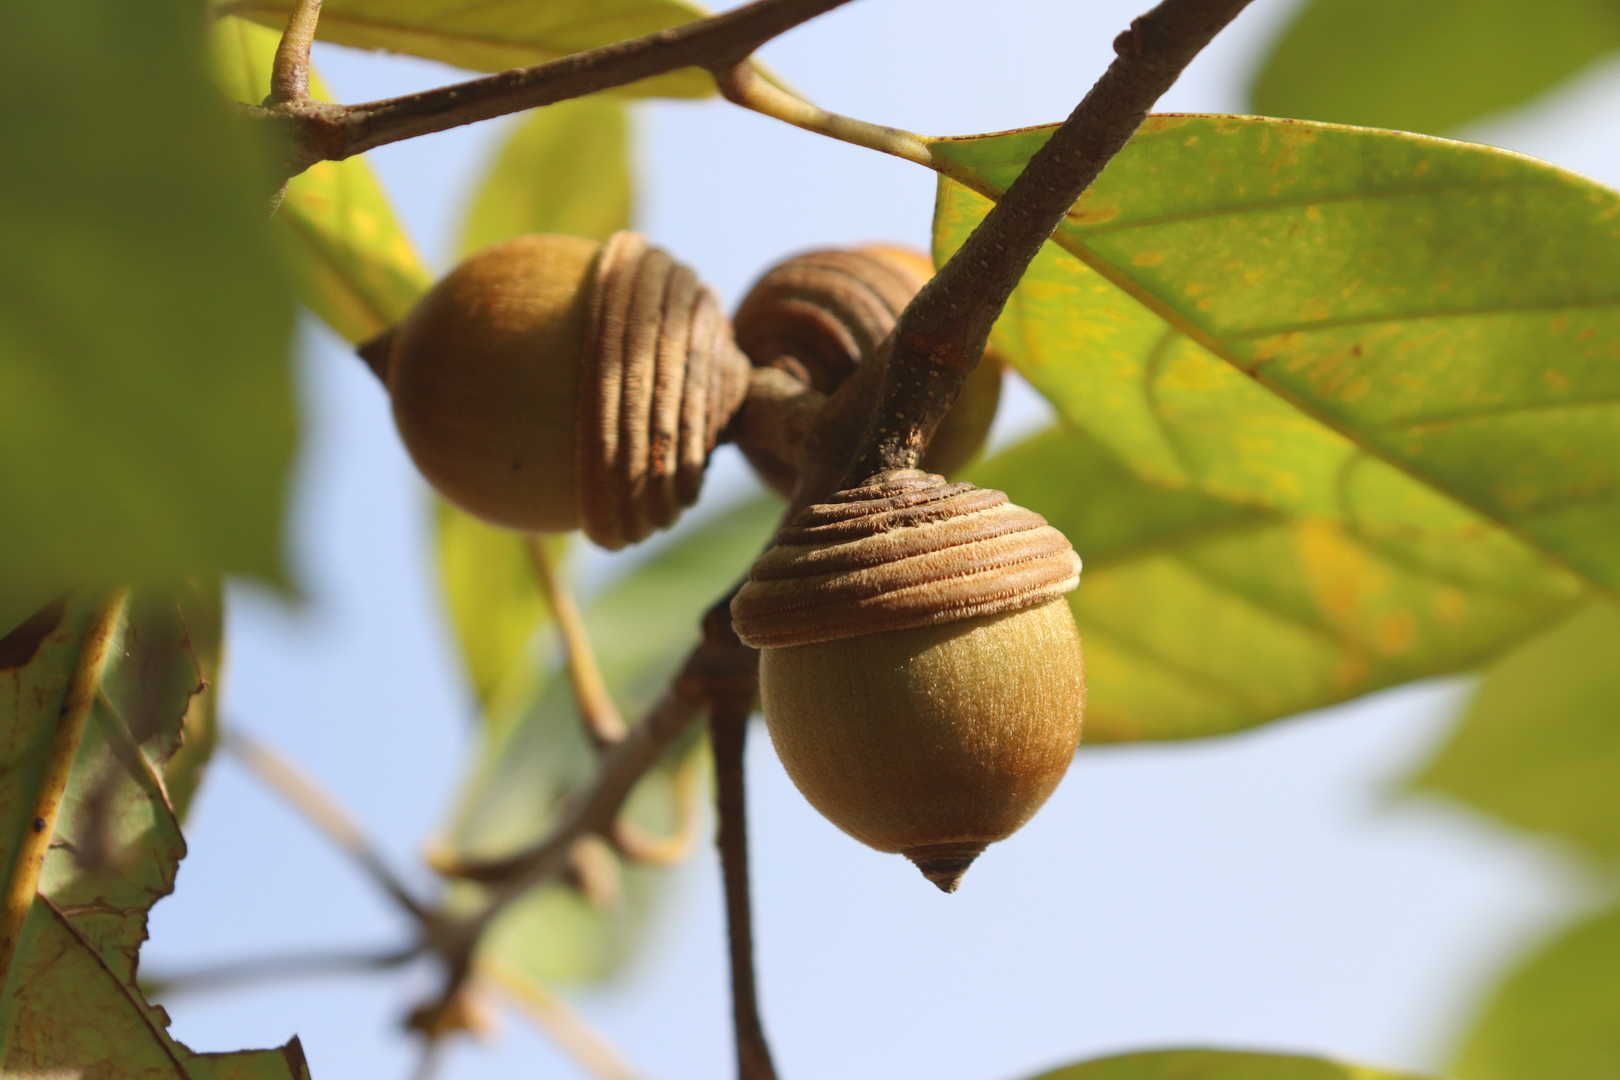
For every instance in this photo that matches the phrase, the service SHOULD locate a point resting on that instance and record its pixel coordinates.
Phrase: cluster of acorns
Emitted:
(920, 670)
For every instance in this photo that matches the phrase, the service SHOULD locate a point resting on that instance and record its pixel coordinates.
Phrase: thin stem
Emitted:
(639, 845)
(720, 665)
(942, 333)
(289, 74)
(593, 809)
(323, 812)
(21, 884)
(258, 969)
(728, 731)
(566, 1028)
(603, 724)
(333, 132)
(743, 84)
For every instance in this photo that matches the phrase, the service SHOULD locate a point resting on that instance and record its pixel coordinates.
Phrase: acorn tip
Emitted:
(944, 864)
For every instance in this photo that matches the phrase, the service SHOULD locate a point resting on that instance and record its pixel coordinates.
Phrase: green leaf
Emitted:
(1216, 1065)
(1320, 320)
(495, 606)
(642, 627)
(495, 36)
(1538, 746)
(1417, 67)
(1556, 1014)
(1202, 614)
(70, 1004)
(356, 266)
(145, 387)
(563, 169)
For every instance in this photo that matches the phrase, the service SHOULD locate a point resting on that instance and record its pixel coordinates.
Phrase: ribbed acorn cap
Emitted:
(904, 549)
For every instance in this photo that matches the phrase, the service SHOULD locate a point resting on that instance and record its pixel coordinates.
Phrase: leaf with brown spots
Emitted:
(70, 1001)
(1389, 330)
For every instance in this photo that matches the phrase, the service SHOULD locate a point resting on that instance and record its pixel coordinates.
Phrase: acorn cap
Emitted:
(905, 549)
(662, 378)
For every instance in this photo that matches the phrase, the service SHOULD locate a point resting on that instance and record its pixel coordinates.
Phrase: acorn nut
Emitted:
(549, 383)
(819, 314)
(920, 669)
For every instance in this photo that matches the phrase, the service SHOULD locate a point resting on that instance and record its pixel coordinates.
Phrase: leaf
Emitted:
(1416, 67)
(1326, 320)
(1216, 1065)
(642, 626)
(495, 607)
(495, 36)
(357, 268)
(1538, 745)
(70, 1004)
(145, 387)
(202, 610)
(70, 1010)
(1202, 615)
(563, 169)
(1556, 1014)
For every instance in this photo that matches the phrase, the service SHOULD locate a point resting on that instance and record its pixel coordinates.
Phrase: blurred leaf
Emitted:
(1423, 67)
(1216, 1065)
(1330, 321)
(642, 626)
(70, 1005)
(146, 404)
(495, 36)
(563, 169)
(1557, 1014)
(356, 266)
(495, 607)
(202, 609)
(1539, 744)
(1203, 615)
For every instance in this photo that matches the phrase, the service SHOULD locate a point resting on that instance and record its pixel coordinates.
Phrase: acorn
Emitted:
(550, 383)
(818, 315)
(920, 669)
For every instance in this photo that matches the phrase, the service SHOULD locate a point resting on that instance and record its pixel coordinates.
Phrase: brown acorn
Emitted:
(819, 314)
(920, 669)
(549, 383)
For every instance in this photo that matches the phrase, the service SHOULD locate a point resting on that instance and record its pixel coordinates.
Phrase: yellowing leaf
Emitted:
(1203, 614)
(1396, 331)
(357, 268)
(495, 36)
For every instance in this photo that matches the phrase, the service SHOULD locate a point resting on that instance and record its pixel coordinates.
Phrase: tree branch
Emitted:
(289, 73)
(299, 965)
(322, 811)
(728, 728)
(322, 132)
(942, 332)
